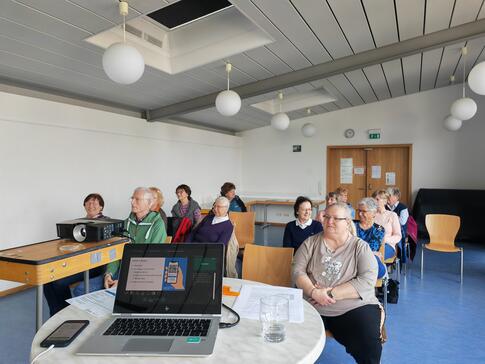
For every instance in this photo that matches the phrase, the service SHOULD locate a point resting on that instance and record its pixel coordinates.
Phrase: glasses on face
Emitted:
(132, 198)
(362, 211)
(330, 218)
(305, 210)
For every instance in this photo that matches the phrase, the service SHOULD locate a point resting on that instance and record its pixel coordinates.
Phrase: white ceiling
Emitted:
(42, 47)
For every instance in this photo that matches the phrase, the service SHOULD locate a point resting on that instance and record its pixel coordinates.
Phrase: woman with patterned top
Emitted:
(337, 273)
(370, 232)
(389, 221)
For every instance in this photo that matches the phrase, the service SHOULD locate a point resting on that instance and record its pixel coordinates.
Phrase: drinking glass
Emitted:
(273, 314)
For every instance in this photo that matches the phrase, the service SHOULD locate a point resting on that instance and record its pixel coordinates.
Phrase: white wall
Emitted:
(441, 159)
(52, 155)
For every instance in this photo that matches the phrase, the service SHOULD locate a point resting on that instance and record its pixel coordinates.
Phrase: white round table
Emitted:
(240, 344)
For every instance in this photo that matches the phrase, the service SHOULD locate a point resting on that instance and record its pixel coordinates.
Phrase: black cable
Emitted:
(226, 325)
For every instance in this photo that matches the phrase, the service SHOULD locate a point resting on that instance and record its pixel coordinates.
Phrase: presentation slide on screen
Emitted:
(157, 274)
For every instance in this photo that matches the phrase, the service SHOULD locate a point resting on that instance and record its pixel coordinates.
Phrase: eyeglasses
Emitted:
(137, 199)
(362, 211)
(329, 218)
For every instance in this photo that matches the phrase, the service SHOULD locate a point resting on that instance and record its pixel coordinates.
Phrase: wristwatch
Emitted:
(329, 293)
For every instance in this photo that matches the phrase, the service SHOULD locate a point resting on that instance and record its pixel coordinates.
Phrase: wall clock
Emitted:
(349, 133)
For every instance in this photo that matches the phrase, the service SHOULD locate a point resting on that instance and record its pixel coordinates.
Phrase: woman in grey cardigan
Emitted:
(337, 273)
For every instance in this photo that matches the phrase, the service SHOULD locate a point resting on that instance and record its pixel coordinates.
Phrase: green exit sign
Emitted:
(374, 133)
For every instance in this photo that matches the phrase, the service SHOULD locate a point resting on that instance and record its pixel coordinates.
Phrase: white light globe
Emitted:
(463, 109)
(280, 121)
(452, 124)
(123, 63)
(308, 130)
(228, 103)
(476, 79)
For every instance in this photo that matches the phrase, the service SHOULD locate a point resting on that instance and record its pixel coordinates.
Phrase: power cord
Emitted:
(41, 354)
(226, 325)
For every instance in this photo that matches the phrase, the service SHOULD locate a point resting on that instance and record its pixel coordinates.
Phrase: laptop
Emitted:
(168, 302)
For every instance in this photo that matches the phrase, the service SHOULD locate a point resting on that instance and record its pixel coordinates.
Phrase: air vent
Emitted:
(153, 40)
(133, 30)
(186, 11)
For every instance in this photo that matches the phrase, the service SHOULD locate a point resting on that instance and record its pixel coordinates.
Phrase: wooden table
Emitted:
(44, 262)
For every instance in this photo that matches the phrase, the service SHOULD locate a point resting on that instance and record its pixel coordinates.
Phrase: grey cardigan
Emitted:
(353, 262)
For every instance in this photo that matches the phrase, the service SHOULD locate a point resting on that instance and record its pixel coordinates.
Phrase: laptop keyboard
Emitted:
(159, 327)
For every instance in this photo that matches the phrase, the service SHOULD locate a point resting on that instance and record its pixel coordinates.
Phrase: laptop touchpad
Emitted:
(148, 345)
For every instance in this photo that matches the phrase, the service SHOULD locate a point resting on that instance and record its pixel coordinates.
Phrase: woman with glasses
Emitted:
(185, 207)
(337, 272)
(369, 231)
(389, 221)
(298, 230)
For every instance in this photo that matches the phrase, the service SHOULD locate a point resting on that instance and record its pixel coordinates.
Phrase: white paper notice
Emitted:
(376, 172)
(390, 178)
(346, 167)
(248, 302)
(359, 170)
(98, 303)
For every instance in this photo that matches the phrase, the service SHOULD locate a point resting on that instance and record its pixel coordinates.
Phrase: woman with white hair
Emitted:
(369, 231)
(215, 227)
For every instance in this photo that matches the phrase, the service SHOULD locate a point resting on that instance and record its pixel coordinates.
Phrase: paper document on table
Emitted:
(248, 303)
(98, 303)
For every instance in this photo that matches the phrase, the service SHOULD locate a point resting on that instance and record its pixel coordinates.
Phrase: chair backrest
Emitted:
(442, 229)
(168, 239)
(267, 264)
(243, 226)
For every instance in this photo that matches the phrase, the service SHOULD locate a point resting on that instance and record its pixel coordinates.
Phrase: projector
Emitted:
(89, 230)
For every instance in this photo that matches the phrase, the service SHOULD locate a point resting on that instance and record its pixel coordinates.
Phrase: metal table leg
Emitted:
(86, 281)
(38, 309)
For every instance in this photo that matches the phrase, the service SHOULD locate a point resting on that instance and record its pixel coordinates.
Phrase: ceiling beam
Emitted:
(390, 52)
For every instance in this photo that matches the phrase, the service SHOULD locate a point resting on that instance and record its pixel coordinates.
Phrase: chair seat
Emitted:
(442, 247)
(378, 283)
(390, 260)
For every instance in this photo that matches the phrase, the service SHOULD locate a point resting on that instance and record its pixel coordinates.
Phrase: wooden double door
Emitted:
(364, 169)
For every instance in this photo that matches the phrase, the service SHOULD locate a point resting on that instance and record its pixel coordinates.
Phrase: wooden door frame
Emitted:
(409, 148)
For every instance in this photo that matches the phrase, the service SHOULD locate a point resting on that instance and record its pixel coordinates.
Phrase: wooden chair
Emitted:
(442, 231)
(243, 227)
(382, 282)
(267, 264)
(168, 239)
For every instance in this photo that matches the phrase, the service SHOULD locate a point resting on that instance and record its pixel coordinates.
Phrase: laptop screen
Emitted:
(170, 279)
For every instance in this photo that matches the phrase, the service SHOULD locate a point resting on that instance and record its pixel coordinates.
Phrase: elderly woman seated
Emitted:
(337, 273)
(215, 227)
(389, 221)
(298, 230)
(369, 231)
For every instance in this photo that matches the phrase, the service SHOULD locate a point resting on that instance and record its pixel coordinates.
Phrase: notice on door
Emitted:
(376, 172)
(359, 171)
(390, 178)
(346, 169)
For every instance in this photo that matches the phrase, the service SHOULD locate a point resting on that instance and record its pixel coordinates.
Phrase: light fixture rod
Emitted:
(464, 52)
(124, 12)
(228, 70)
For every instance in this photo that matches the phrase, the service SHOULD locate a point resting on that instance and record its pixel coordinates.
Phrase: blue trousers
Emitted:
(389, 251)
(95, 284)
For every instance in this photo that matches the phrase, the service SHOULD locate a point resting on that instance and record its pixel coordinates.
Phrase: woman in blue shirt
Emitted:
(228, 190)
(369, 231)
(297, 231)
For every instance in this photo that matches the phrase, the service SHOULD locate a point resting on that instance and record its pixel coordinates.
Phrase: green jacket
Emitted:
(150, 230)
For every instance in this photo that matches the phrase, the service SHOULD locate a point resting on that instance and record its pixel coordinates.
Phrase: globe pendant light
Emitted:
(452, 124)
(280, 121)
(228, 102)
(476, 79)
(464, 108)
(308, 130)
(123, 63)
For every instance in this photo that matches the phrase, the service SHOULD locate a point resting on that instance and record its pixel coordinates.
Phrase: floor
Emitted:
(437, 320)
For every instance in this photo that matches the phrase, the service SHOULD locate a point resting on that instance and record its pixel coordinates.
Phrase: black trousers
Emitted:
(359, 331)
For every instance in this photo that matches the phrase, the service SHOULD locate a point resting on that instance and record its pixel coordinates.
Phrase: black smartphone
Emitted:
(65, 333)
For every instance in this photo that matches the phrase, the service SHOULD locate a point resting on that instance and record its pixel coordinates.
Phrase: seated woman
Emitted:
(228, 190)
(337, 273)
(330, 199)
(158, 203)
(298, 230)
(343, 196)
(185, 207)
(57, 292)
(216, 226)
(370, 232)
(389, 221)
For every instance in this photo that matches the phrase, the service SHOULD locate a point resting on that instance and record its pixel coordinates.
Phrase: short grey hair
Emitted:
(147, 193)
(343, 206)
(394, 191)
(222, 201)
(370, 203)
